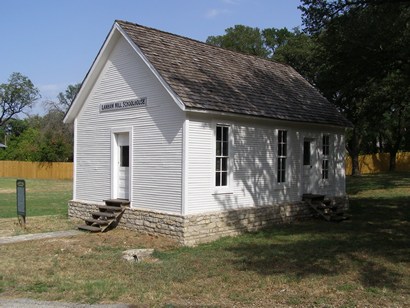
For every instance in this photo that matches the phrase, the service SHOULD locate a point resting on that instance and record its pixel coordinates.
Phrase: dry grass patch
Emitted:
(363, 262)
(36, 224)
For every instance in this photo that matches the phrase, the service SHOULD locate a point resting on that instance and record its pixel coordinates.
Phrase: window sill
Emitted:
(324, 183)
(281, 186)
(222, 191)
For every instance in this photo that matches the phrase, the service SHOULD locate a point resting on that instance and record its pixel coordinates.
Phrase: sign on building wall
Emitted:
(135, 103)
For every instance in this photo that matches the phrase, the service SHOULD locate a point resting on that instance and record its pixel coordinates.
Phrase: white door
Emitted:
(123, 166)
(309, 170)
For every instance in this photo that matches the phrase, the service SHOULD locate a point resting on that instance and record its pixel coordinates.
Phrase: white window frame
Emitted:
(278, 157)
(228, 188)
(325, 158)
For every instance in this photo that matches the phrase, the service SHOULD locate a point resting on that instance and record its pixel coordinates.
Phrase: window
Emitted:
(282, 152)
(306, 153)
(124, 156)
(325, 157)
(222, 155)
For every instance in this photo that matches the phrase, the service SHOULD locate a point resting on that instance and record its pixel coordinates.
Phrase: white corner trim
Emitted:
(75, 161)
(171, 92)
(185, 168)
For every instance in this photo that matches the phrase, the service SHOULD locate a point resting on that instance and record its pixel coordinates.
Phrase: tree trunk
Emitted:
(355, 165)
(353, 149)
(392, 166)
(396, 145)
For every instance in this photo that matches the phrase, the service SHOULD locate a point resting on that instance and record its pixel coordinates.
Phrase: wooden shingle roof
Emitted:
(206, 77)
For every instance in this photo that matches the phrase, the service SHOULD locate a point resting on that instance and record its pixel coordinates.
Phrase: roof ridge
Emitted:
(206, 44)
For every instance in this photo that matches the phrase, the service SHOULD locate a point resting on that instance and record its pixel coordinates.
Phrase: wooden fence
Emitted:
(373, 163)
(34, 170)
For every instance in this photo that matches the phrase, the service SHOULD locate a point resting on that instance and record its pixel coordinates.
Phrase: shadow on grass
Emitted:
(377, 181)
(370, 244)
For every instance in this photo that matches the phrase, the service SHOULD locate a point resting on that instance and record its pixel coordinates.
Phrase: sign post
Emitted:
(21, 202)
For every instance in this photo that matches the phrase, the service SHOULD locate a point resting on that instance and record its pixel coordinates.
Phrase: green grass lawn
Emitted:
(362, 262)
(44, 197)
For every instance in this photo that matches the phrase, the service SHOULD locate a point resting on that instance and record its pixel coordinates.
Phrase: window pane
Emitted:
(217, 179)
(284, 150)
(225, 148)
(218, 148)
(224, 164)
(325, 145)
(225, 134)
(125, 156)
(325, 169)
(306, 153)
(224, 178)
(218, 133)
(218, 164)
(283, 176)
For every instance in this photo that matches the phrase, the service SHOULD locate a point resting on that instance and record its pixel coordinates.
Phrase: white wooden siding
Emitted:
(254, 163)
(156, 130)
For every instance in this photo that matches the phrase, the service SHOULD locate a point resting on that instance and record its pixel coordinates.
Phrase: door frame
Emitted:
(313, 141)
(114, 159)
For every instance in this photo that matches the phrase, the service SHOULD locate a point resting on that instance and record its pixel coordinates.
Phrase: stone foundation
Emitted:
(200, 228)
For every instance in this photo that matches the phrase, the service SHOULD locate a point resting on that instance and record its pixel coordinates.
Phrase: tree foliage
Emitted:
(290, 47)
(365, 65)
(16, 96)
(357, 53)
(42, 138)
(64, 99)
(241, 38)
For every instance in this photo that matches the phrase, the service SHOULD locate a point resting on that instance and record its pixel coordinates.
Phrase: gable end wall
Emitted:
(156, 135)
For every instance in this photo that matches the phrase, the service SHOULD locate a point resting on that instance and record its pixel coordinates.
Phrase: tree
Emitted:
(42, 138)
(299, 51)
(16, 96)
(360, 43)
(393, 95)
(243, 39)
(64, 99)
(290, 47)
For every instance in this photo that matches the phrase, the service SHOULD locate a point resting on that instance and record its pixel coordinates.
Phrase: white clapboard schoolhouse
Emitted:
(198, 141)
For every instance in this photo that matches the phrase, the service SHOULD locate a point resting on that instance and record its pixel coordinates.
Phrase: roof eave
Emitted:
(347, 125)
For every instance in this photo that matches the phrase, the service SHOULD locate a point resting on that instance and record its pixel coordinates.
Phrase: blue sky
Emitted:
(54, 42)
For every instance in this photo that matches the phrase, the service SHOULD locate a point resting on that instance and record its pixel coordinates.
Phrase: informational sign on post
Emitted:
(21, 201)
